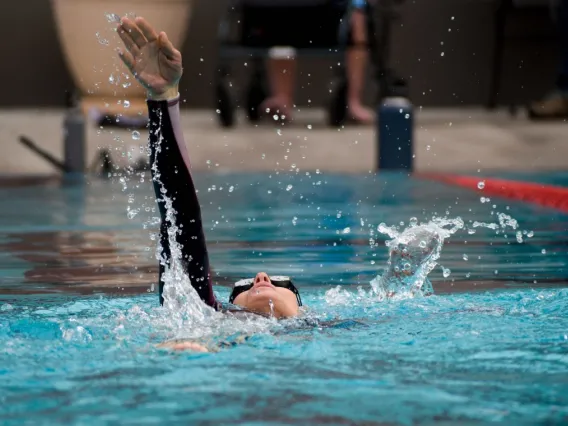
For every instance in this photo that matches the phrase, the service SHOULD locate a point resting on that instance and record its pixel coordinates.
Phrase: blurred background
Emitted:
(472, 67)
(39, 75)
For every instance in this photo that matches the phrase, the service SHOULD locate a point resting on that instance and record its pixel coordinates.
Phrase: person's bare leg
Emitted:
(282, 79)
(356, 65)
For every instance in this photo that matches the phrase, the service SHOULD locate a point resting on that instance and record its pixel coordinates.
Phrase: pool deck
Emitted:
(446, 140)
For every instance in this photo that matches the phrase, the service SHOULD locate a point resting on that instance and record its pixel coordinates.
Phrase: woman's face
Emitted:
(258, 298)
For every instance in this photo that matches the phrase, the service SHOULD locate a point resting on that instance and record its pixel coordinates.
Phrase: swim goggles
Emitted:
(278, 281)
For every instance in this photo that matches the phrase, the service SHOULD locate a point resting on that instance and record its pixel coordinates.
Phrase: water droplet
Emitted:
(101, 40)
(446, 272)
(132, 213)
(279, 132)
(231, 188)
(468, 275)
(530, 234)
(126, 85)
(465, 257)
(136, 135)
(309, 127)
(218, 111)
(422, 244)
(275, 117)
(407, 116)
(112, 17)
(6, 307)
(483, 200)
(289, 187)
(543, 251)
(427, 147)
(481, 184)
(519, 236)
(126, 104)
(442, 54)
(346, 230)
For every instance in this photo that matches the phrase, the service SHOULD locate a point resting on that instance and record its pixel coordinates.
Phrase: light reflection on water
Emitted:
(68, 355)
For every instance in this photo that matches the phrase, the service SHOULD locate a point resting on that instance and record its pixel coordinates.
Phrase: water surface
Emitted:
(80, 320)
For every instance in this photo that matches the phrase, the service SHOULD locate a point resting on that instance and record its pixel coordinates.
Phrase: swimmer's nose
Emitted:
(260, 277)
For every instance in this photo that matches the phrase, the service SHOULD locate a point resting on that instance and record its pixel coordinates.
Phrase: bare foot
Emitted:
(360, 114)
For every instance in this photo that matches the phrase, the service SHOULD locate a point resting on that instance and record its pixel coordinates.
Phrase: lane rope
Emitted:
(551, 196)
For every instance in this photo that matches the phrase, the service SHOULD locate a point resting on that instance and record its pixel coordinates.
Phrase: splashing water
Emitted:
(185, 315)
(413, 254)
(101, 39)
(180, 298)
(112, 18)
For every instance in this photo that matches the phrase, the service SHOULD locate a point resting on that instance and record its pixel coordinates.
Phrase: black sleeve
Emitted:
(171, 177)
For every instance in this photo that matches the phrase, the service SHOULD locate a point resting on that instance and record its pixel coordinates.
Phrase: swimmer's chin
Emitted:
(259, 303)
(261, 298)
(264, 292)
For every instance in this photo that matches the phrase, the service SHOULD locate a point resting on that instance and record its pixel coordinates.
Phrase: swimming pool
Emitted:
(80, 323)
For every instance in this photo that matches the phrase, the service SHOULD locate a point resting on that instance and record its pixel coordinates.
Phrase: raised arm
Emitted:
(156, 64)
(172, 180)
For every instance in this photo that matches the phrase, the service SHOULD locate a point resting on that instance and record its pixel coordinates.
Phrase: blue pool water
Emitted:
(80, 324)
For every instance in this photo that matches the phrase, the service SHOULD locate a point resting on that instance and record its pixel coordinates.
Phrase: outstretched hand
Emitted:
(150, 57)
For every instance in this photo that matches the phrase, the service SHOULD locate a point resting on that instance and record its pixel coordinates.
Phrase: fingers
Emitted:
(134, 32)
(127, 40)
(146, 29)
(127, 58)
(167, 47)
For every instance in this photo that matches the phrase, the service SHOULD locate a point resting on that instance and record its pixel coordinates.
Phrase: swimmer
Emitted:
(157, 65)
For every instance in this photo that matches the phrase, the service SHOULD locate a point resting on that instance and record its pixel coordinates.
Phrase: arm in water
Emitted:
(175, 191)
(189, 345)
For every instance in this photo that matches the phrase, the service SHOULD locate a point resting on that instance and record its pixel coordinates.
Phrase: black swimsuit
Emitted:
(172, 178)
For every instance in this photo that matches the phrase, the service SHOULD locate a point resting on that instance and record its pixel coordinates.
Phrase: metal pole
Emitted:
(74, 137)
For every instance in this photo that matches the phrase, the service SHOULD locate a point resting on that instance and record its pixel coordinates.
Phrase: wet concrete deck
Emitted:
(446, 140)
